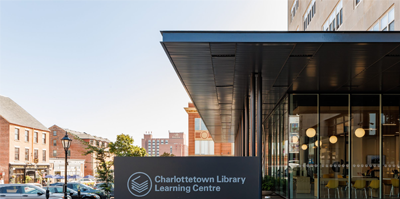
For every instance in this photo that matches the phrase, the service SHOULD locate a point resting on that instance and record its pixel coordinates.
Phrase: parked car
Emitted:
(72, 193)
(12, 191)
(84, 188)
(98, 187)
(86, 181)
(36, 184)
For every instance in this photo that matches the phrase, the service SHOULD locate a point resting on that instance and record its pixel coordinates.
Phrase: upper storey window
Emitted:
(309, 15)
(385, 23)
(335, 20)
(294, 9)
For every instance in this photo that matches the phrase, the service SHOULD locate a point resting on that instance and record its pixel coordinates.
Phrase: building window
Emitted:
(162, 141)
(16, 137)
(26, 136)
(199, 124)
(311, 10)
(54, 153)
(26, 154)
(36, 154)
(35, 137)
(54, 142)
(54, 133)
(44, 138)
(385, 23)
(44, 155)
(294, 9)
(204, 147)
(97, 143)
(166, 141)
(91, 142)
(154, 141)
(335, 20)
(16, 153)
(170, 150)
(158, 144)
(358, 1)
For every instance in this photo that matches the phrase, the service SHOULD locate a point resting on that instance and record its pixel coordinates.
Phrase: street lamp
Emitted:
(66, 142)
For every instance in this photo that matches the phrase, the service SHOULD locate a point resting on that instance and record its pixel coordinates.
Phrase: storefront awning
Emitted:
(214, 68)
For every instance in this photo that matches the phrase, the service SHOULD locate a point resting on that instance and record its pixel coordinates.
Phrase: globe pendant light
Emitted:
(333, 139)
(304, 147)
(316, 143)
(360, 132)
(310, 132)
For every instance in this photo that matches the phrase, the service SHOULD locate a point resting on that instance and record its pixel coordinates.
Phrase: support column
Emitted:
(243, 135)
(253, 114)
(246, 125)
(259, 129)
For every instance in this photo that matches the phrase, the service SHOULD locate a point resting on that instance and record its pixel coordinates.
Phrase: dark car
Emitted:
(72, 193)
(84, 188)
(98, 187)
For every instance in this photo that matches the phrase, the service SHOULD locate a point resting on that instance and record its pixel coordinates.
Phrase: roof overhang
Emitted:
(214, 68)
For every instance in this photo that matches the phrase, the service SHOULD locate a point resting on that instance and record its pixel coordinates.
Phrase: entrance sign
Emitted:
(187, 177)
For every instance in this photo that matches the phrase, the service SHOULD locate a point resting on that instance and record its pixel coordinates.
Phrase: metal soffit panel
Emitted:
(215, 67)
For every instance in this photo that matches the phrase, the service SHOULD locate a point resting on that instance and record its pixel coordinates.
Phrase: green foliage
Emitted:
(104, 169)
(123, 147)
(165, 154)
(267, 183)
(27, 179)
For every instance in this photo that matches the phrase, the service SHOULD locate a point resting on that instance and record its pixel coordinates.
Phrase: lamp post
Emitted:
(66, 142)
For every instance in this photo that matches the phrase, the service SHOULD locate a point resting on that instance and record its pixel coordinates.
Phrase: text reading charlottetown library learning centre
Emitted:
(199, 183)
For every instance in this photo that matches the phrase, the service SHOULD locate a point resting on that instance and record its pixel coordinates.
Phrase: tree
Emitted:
(104, 169)
(165, 154)
(123, 147)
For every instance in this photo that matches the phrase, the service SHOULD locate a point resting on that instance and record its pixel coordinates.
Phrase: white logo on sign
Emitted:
(139, 184)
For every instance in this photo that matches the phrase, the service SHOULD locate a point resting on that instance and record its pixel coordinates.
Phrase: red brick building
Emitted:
(200, 140)
(77, 149)
(174, 144)
(24, 144)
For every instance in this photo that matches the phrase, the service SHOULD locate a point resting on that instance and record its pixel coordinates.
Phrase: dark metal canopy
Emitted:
(214, 68)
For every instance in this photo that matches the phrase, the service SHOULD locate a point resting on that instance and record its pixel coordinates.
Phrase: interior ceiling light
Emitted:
(360, 132)
(316, 143)
(304, 147)
(310, 132)
(333, 139)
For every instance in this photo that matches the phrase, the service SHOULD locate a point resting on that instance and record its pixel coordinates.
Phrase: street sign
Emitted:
(187, 177)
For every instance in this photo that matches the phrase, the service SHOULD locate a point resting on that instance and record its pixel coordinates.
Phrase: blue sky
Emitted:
(98, 66)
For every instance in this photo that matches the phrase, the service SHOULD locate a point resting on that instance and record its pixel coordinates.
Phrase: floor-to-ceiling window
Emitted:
(391, 143)
(303, 145)
(335, 146)
(334, 127)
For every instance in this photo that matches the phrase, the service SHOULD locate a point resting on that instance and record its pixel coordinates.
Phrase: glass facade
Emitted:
(334, 146)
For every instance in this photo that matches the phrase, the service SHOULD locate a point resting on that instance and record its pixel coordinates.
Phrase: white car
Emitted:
(13, 191)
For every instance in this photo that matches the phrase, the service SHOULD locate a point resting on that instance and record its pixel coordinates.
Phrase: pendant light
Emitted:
(333, 139)
(310, 132)
(360, 132)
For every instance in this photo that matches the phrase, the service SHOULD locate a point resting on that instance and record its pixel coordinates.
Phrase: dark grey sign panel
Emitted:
(187, 177)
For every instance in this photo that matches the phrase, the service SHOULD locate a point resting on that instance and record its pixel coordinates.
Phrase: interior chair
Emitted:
(342, 184)
(395, 185)
(333, 184)
(359, 185)
(374, 185)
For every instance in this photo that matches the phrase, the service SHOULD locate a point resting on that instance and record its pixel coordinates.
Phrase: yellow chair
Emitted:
(374, 185)
(333, 184)
(326, 176)
(342, 184)
(359, 185)
(395, 184)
